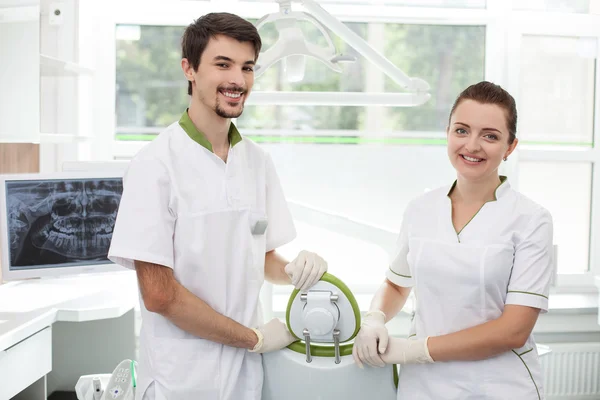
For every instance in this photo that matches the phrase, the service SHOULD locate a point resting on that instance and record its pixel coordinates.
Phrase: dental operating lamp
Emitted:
(292, 48)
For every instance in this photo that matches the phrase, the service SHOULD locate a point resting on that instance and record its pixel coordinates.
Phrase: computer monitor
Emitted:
(57, 224)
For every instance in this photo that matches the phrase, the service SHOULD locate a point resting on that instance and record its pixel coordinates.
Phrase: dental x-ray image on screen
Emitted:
(61, 222)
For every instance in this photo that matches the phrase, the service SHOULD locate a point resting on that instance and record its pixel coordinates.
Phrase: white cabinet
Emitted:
(25, 362)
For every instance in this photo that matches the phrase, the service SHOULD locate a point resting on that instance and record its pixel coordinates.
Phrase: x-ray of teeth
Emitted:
(61, 222)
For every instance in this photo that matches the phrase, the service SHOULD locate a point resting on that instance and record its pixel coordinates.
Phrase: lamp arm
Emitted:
(360, 45)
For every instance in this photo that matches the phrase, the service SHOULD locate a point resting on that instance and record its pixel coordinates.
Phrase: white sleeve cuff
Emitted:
(399, 279)
(126, 259)
(529, 299)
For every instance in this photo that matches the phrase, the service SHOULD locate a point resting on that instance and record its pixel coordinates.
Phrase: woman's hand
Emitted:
(407, 351)
(371, 341)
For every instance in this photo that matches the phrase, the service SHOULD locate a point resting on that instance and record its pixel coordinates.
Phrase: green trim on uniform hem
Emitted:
(400, 275)
(530, 374)
(396, 375)
(188, 126)
(533, 294)
(414, 334)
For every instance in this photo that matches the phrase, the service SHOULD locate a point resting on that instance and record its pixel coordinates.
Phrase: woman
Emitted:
(479, 255)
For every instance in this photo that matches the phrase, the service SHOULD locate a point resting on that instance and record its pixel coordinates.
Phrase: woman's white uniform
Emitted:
(502, 256)
(184, 208)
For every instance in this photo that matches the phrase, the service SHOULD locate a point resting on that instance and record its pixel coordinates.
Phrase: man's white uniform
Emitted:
(502, 256)
(186, 209)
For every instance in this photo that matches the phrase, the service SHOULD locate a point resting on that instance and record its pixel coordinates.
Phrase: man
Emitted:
(201, 215)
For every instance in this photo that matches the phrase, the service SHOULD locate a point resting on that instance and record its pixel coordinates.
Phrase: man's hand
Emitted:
(407, 351)
(371, 341)
(306, 270)
(274, 335)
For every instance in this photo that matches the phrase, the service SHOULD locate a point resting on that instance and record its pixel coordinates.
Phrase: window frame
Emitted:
(525, 23)
(504, 28)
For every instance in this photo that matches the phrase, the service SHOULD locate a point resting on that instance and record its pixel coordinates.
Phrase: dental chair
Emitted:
(320, 366)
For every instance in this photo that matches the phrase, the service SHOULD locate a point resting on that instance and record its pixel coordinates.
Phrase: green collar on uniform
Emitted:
(188, 126)
(501, 185)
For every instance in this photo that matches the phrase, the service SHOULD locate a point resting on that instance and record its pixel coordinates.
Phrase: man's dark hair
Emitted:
(198, 34)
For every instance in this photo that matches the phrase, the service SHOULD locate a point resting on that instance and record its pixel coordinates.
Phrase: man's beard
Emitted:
(220, 111)
(228, 114)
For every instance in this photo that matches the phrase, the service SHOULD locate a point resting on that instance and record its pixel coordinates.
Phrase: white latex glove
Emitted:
(371, 341)
(306, 270)
(407, 351)
(274, 335)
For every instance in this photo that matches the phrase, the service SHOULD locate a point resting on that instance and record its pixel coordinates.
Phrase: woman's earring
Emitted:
(505, 158)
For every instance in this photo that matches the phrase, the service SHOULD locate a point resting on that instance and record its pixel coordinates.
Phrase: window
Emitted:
(448, 57)
(348, 201)
(564, 115)
(346, 171)
(317, 77)
(408, 3)
(558, 111)
(565, 6)
(564, 189)
(349, 172)
(151, 89)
